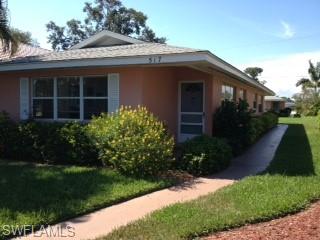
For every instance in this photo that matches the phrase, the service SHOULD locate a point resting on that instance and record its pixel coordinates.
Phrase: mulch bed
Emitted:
(301, 226)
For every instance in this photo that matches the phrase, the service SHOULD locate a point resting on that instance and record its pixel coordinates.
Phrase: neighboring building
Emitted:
(182, 86)
(290, 105)
(274, 103)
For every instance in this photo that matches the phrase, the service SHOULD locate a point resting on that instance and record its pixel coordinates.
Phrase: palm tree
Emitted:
(8, 42)
(314, 81)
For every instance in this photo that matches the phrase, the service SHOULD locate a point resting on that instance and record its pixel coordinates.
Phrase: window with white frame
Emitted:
(43, 98)
(68, 98)
(95, 96)
(74, 98)
(228, 93)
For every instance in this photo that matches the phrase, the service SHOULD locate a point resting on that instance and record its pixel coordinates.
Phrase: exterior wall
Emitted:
(220, 79)
(157, 88)
(10, 95)
(130, 85)
(161, 94)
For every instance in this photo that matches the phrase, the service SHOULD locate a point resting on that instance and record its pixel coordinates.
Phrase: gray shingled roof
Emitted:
(22, 52)
(141, 49)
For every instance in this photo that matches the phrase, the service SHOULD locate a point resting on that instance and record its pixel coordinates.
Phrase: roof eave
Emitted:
(216, 61)
(177, 58)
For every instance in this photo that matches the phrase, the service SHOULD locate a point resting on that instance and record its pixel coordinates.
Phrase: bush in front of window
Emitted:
(232, 121)
(58, 143)
(133, 141)
(204, 155)
(54, 143)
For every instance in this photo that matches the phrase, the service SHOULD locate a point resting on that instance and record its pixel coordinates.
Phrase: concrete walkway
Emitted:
(102, 222)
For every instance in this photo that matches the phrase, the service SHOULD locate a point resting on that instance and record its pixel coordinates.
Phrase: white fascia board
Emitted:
(108, 62)
(236, 72)
(103, 34)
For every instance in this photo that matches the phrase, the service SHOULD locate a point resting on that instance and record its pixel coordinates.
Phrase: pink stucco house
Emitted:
(181, 86)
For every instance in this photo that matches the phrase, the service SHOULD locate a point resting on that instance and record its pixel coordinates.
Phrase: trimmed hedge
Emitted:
(261, 124)
(234, 122)
(205, 155)
(55, 143)
(133, 141)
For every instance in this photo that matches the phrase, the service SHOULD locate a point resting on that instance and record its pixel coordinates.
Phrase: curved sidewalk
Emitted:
(102, 222)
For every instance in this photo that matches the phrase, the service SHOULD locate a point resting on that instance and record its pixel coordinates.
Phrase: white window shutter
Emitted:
(24, 99)
(113, 92)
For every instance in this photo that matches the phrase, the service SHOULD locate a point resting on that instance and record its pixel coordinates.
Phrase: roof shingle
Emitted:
(140, 49)
(22, 52)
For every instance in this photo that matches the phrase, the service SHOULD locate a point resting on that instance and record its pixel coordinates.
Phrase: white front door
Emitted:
(191, 110)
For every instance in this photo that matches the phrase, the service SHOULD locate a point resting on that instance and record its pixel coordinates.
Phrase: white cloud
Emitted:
(283, 72)
(288, 31)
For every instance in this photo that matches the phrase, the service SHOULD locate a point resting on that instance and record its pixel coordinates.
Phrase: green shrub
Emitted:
(255, 130)
(232, 122)
(269, 120)
(132, 141)
(80, 148)
(61, 143)
(56, 143)
(205, 155)
(8, 135)
(260, 125)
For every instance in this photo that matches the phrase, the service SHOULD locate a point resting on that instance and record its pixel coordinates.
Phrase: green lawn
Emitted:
(44, 194)
(290, 183)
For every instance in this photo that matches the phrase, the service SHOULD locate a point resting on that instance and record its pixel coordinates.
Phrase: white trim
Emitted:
(81, 104)
(103, 34)
(24, 98)
(113, 92)
(203, 124)
(55, 97)
(103, 62)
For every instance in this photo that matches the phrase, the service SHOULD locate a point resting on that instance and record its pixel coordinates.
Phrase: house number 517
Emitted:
(155, 59)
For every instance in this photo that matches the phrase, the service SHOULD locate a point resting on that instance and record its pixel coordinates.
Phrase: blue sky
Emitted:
(241, 32)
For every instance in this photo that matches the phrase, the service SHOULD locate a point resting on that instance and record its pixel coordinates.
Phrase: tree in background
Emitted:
(314, 81)
(109, 15)
(23, 37)
(308, 101)
(8, 43)
(253, 72)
